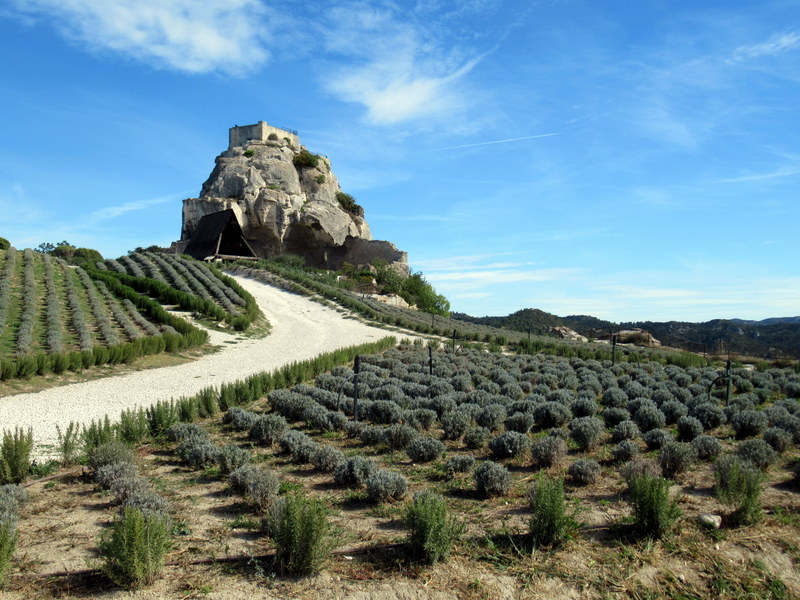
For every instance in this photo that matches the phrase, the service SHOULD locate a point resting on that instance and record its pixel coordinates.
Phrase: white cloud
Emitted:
(455, 263)
(493, 277)
(186, 35)
(397, 68)
(777, 44)
(761, 176)
(519, 139)
(112, 212)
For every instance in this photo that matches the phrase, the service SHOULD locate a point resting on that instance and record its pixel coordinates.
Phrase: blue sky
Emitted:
(628, 160)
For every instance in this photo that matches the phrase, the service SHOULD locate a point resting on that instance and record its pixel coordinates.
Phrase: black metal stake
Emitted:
(613, 349)
(729, 376)
(356, 371)
(430, 360)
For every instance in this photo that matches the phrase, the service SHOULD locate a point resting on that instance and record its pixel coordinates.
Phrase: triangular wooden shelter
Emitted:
(219, 234)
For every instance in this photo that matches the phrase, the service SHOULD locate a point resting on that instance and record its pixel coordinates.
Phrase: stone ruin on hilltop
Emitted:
(268, 195)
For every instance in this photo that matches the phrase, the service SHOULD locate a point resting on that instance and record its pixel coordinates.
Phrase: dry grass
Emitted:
(61, 526)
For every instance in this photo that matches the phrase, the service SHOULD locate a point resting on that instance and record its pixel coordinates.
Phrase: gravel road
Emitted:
(301, 329)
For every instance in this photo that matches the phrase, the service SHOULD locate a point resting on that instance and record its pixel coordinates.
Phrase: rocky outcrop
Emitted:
(287, 205)
(565, 333)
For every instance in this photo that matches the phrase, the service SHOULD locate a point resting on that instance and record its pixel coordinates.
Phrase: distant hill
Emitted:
(769, 338)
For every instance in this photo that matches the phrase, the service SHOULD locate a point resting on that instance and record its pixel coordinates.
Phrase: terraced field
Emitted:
(481, 430)
(56, 317)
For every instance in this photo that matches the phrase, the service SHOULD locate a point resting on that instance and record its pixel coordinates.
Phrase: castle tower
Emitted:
(260, 132)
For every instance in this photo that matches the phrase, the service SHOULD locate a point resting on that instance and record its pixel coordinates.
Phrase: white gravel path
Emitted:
(301, 329)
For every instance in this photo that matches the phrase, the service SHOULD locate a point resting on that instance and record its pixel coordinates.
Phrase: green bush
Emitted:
(348, 203)
(550, 524)
(4, 244)
(8, 542)
(133, 549)
(654, 513)
(739, 486)
(299, 528)
(305, 159)
(15, 455)
(432, 531)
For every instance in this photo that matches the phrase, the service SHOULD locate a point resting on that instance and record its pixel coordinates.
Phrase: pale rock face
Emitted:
(283, 208)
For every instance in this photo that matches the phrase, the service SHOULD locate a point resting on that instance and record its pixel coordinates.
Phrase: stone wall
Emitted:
(239, 135)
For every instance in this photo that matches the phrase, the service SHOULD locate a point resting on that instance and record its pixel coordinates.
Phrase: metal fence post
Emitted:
(356, 371)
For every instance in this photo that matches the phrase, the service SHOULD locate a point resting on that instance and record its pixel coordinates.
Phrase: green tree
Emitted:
(417, 290)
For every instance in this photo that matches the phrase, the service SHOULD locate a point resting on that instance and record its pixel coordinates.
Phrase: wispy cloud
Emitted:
(465, 261)
(519, 139)
(776, 44)
(112, 212)
(490, 277)
(396, 67)
(438, 218)
(186, 35)
(761, 176)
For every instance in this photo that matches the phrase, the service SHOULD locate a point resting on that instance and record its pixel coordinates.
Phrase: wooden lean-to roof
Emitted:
(218, 233)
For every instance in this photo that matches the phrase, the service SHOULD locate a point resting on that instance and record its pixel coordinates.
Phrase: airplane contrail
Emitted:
(519, 139)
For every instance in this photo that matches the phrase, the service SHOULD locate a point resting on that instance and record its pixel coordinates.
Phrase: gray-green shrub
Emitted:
(657, 438)
(425, 449)
(756, 451)
(676, 457)
(520, 422)
(256, 484)
(476, 437)
(649, 417)
(689, 428)
(748, 423)
(198, 452)
(460, 463)
(399, 436)
(673, 410)
(509, 444)
(455, 424)
(239, 418)
(624, 451)
(386, 486)
(230, 457)
(613, 415)
(110, 452)
(586, 431)
(707, 447)
(326, 458)
(355, 471)
(492, 479)
(583, 471)
(779, 439)
(109, 473)
(147, 501)
(625, 430)
(547, 451)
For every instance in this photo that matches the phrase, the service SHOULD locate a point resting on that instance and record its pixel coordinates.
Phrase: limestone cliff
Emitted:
(287, 200)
